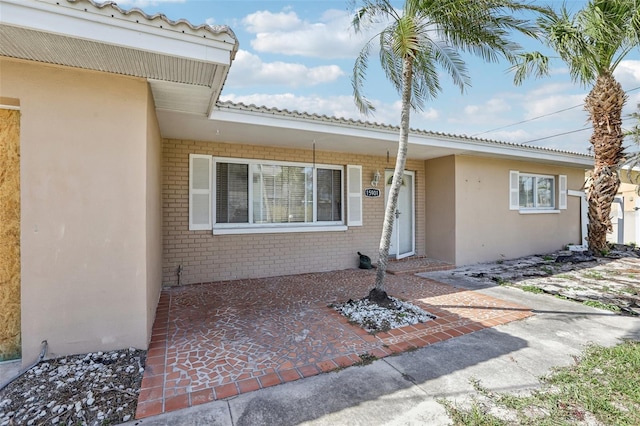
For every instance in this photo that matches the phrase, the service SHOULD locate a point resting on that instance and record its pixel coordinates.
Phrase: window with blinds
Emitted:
(261, 193)
(232, 193)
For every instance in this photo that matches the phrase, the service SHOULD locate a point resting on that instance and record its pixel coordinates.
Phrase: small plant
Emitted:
(532, 289)
(600, 305)
(500, 281)
(547, 270)
(605, 252)
(564, 276)
(594, 275)
(365, 359)
(547, 257)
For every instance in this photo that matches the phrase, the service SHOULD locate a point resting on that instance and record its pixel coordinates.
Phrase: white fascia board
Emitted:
(464, 145)
(72, 22)
(261, 118)
(497, 149)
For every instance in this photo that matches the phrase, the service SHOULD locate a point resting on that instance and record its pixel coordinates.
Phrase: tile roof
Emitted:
(381, 126)
(158, 19)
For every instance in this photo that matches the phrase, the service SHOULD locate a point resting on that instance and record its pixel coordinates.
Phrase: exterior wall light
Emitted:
(376, 179)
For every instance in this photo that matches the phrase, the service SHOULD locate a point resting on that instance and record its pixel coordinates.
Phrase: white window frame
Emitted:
(559, 193)
(200, 226)
(260, 228)
(354, 195)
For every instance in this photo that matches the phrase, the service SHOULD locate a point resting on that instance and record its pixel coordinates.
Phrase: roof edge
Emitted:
(388, 127)
(213, 29)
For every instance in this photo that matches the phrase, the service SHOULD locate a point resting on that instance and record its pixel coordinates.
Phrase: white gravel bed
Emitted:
(373, 317)
(93, 389)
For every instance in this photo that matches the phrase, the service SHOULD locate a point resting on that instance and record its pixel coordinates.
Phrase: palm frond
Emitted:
(429, 35)
(527, 64)
(357, 80)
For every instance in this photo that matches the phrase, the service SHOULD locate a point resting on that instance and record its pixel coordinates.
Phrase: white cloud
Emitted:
(492, 107)
(518, 135)
(430, 114)
(145, 3)
(551, 89)
(285, 33)
(249, 70)
(628, 74)
(539, 106)
(266, 22)
(336, 106)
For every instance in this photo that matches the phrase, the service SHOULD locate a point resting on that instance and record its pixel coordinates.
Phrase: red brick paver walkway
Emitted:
(213, 341)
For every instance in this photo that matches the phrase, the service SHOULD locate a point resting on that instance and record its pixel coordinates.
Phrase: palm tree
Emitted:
(592, 43)
(418, 41)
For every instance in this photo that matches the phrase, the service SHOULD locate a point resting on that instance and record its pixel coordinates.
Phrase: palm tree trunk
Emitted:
(604, 104)
(401, 160)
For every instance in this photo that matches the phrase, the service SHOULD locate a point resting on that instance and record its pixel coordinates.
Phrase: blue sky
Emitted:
(299, 55)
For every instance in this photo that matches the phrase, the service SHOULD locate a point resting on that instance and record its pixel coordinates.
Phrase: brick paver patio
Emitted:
(216, 340)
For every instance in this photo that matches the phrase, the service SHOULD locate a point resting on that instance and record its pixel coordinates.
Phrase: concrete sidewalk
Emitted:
(403, 389)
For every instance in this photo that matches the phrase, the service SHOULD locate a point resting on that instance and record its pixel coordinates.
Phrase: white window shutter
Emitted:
(200, 192)
(562, 192)
(514, 190)
(354, 195)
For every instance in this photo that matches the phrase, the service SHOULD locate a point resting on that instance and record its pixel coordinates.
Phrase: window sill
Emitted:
(278, 229)
(541, 211)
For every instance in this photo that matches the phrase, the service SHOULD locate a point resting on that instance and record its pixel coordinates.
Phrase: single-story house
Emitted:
(133, 176)
(625, 210)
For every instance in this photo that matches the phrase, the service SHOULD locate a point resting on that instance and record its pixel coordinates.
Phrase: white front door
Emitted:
(403, 235)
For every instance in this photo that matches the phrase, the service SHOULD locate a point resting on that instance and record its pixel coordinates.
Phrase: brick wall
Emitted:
(206, 257)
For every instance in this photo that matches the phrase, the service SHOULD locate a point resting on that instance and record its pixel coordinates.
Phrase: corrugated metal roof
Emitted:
(381, 126)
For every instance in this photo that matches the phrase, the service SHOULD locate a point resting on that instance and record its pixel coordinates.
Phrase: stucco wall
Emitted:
(628, 192)
(206, 257)
(485, 227)
(154, 212)
(440, 205)
(86, 216)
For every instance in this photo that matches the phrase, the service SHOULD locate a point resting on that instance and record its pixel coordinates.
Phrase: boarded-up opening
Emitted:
(9, 234)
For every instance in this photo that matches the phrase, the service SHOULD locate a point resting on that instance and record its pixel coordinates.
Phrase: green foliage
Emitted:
(500, 281)
(591, 42)
(428, 36)
(604, 384)
(600, 305)
(594, 275)
(532, 289)
(365, 359)
(565, 276)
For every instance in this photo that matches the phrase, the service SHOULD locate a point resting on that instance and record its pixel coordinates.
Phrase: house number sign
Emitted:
(372, 192)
